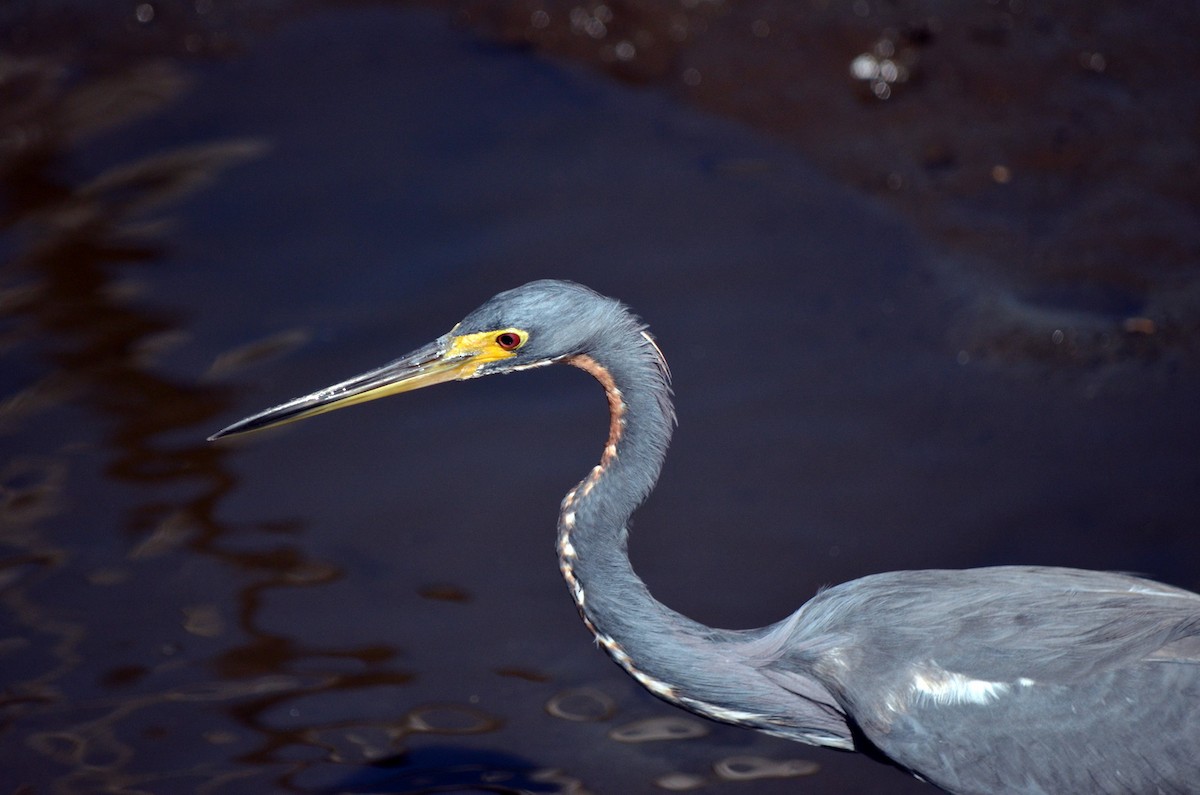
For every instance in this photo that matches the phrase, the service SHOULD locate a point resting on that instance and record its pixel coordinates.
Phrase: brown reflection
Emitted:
(1066, 224)
(67, 303)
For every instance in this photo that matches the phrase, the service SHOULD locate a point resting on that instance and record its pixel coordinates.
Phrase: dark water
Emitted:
(197, 228)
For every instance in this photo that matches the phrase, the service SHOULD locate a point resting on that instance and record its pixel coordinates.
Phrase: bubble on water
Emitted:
(590, 23)
(864, 67)
(680, 782)
(583, 704)
(678, 29)
(654, 729)
(749, 768)
(884, 66)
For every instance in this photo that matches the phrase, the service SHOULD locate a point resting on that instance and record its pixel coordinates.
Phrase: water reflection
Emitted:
(136, 634)
(86, 336)
(133, 635)
(673, 727)
(448, 769)
(1006, 138)
(581, 704)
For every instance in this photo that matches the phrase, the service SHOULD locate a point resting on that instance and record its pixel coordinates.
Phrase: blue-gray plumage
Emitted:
(1010, 679)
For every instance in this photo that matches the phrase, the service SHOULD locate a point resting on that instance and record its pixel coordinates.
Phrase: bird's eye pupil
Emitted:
(508, 341)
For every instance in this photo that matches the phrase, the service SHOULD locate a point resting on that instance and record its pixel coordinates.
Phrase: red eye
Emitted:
(508, 340)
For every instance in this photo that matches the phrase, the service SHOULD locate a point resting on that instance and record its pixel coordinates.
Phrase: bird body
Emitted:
(1012, 679)
(993, 680)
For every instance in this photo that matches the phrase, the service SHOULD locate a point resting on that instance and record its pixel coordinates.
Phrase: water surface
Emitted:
(196, 237)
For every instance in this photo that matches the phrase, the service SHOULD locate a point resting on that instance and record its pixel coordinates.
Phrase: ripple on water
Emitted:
(680, 782)
(653, 729)
(31, 489)
(581, 704)
(750, 768)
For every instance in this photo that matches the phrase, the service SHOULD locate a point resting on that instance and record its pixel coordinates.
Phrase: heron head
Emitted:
(536, 324)
(533, 325)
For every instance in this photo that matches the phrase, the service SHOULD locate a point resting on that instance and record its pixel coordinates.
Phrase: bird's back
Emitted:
(1014, 679)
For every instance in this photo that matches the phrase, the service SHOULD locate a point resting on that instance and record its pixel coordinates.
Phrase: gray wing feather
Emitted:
(1013, 679)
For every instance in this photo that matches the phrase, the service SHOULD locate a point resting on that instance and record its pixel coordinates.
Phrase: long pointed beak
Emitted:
(435, 363)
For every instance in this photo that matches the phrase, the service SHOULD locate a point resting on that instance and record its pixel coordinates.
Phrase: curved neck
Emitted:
(657, 646)
(714, 672)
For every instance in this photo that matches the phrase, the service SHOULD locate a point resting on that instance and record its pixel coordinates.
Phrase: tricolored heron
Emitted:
(1010, 679)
